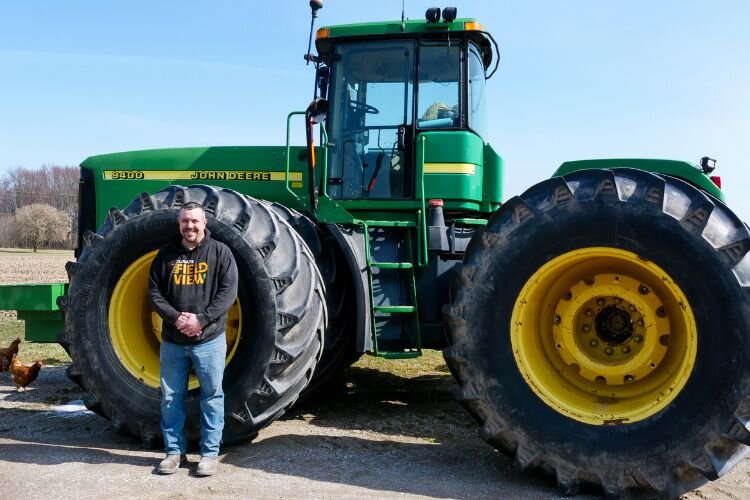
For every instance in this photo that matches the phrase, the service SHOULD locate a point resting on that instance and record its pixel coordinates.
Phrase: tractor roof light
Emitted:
(432, 15)
(708, 165)
(449, 14)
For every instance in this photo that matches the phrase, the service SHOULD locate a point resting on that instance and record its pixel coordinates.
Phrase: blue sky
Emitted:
(578, 79)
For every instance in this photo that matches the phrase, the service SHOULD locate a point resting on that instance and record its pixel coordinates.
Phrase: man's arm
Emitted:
(226, 290)
(155, 297)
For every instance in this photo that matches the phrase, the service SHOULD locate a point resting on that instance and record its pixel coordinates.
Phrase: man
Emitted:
(192, 285)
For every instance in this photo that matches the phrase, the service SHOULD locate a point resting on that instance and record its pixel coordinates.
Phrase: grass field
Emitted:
(51, 354)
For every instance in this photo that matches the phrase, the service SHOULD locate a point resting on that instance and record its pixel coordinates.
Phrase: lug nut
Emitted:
(625, 349)
(609, 351)
(629, 378)
(632, 308)
(586, 328)
(589, 313)
(639, 322)
(643, 289)
(600, 302)
(637, 338)
(617, 300)
(594, 343)
(557, 319)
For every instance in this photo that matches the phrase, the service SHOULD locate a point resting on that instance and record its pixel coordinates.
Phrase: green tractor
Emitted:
(597, 325)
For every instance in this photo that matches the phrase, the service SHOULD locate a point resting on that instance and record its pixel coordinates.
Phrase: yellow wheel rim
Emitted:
(135, 329)
(604, 336)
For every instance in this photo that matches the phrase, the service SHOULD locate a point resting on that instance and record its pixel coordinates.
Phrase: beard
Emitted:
(191, 236)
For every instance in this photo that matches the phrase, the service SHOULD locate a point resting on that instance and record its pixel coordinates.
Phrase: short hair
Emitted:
(193, 205)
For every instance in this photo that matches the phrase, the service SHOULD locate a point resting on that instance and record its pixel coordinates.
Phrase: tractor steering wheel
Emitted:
(363, 106)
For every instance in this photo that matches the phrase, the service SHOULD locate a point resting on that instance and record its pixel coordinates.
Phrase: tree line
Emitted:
(39, 207)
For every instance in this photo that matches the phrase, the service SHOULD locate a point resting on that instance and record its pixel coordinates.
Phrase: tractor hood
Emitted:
(272, 172)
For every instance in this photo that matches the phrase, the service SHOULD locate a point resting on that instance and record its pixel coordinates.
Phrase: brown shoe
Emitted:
(207, 466)
(170, 464)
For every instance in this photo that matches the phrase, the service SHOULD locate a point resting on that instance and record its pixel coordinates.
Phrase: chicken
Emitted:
(24, 373)
(7, 353)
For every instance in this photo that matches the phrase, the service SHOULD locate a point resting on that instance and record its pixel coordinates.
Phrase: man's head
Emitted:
(193, 222)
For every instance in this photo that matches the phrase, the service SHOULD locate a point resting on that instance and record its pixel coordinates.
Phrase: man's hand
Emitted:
(188, 324)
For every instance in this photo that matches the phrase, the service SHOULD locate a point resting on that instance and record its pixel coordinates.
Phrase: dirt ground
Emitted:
(377, 435)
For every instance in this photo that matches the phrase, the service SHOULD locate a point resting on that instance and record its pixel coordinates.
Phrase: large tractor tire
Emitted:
(339, 351)
(600, 332)
(274, 330)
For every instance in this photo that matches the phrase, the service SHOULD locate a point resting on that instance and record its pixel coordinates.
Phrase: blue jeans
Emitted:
(208, 361)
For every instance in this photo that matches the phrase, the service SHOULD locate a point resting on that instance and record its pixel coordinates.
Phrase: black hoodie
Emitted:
(202, 281)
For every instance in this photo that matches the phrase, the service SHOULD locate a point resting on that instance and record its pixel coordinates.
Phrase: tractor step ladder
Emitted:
(406, 266)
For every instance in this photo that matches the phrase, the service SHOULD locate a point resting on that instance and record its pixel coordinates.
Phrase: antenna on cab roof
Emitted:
(403, 24)
(315, 6)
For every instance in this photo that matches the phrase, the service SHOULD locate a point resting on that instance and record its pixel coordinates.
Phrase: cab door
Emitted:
(370, 125)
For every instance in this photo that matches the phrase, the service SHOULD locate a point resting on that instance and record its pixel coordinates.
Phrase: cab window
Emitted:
(439, 76)
(477, 104)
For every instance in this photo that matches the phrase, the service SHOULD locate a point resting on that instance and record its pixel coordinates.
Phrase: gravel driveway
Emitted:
(377, 435)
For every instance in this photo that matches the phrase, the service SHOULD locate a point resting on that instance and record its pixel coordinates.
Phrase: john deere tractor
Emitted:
(597, 325)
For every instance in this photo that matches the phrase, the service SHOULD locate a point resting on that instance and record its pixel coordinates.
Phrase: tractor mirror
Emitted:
(318, 110)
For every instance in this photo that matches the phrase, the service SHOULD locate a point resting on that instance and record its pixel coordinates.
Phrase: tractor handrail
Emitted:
(324, 173)
(288, 151)
(422, 235)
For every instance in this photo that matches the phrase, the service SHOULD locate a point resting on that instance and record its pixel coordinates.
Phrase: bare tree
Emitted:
(38, 223)
(52, 185)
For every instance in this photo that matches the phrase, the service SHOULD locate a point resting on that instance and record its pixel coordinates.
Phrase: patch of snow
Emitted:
(73, 408)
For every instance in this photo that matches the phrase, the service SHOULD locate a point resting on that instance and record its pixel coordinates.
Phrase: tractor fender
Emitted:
(673, 168)
(350, 240)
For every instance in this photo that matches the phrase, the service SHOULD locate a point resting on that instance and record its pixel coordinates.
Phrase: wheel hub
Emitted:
(603, 335)
(613, 325)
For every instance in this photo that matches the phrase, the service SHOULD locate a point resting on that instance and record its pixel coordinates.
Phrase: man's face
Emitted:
(192, 226)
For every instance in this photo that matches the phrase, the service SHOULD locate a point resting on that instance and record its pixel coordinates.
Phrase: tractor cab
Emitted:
(387, 84)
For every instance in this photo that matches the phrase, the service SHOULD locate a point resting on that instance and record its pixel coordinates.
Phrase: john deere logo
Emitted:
(230, 175)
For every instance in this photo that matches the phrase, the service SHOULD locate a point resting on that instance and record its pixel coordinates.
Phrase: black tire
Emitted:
(339, 351)
(281, 309)
(698, 435)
